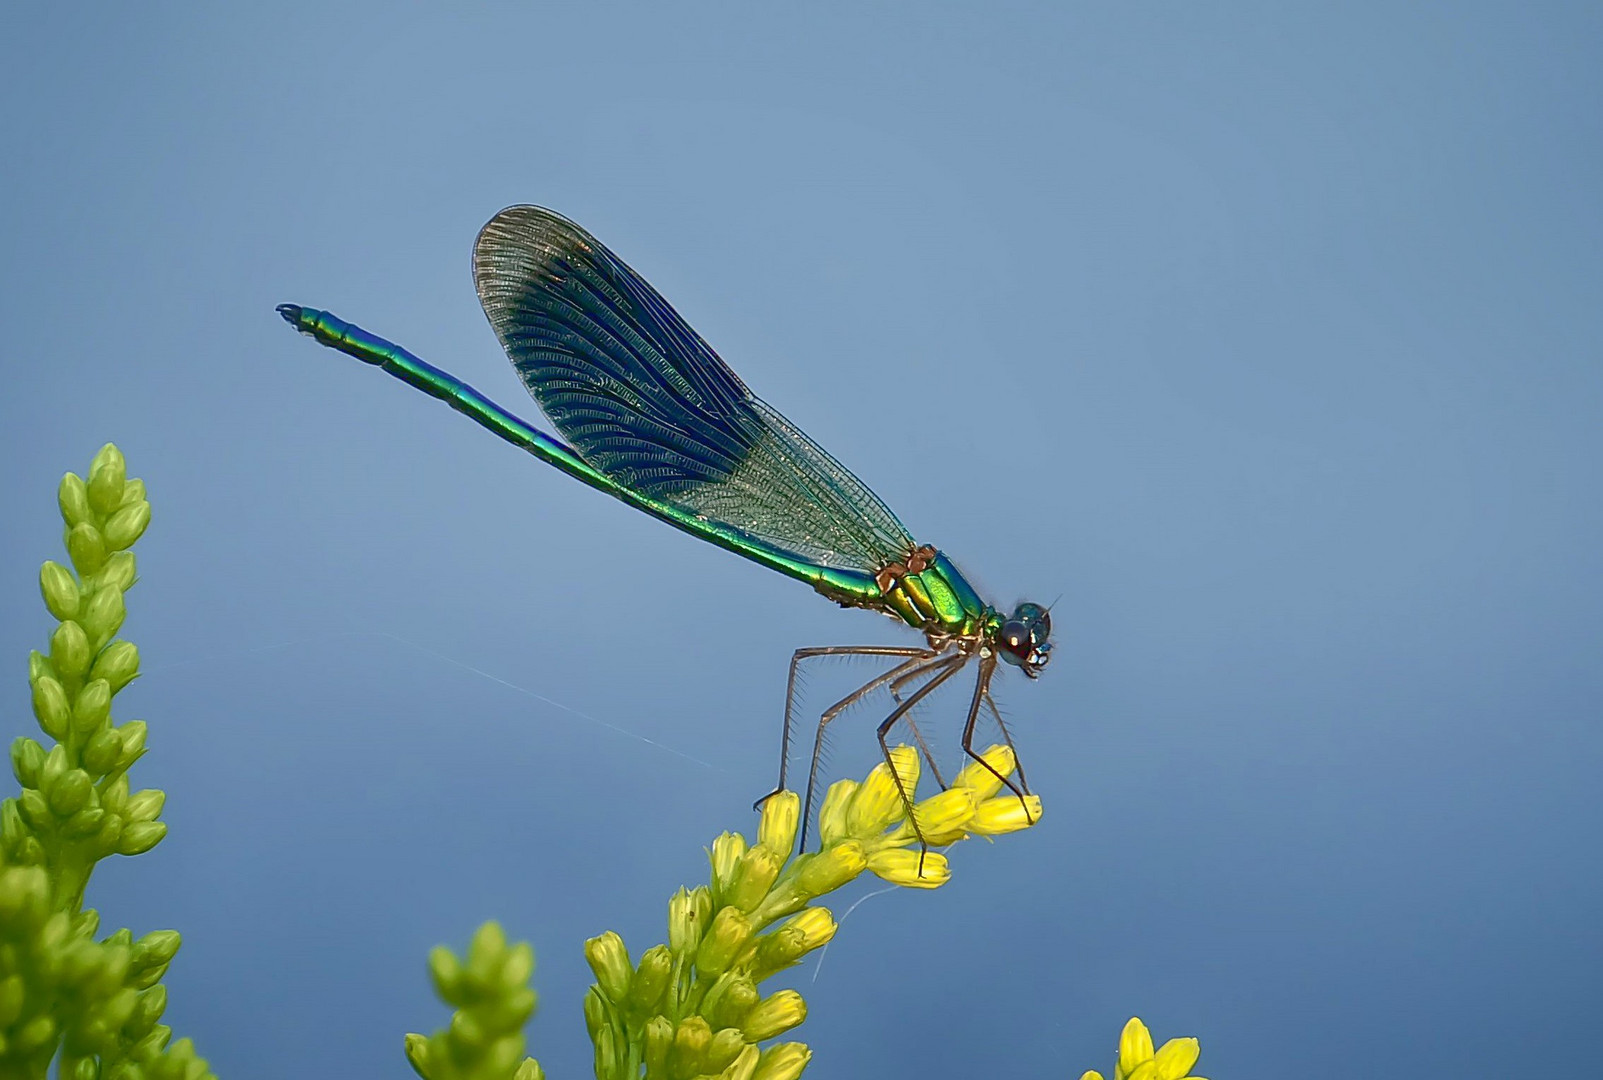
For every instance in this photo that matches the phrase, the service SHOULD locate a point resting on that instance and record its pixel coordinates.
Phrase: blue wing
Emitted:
(644, 400)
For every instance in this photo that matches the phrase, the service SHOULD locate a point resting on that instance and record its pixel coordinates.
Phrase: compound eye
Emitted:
(1015, 641)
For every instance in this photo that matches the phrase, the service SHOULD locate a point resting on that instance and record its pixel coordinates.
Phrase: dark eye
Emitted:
(1015, 642)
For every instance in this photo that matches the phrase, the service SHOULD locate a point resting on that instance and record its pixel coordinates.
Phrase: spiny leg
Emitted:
(982, 693)
(923, 661)
(790, 690)
(952, 667)
(1007, 737)
(897, 686)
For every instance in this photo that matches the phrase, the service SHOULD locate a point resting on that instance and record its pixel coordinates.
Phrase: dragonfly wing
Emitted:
(643, 399)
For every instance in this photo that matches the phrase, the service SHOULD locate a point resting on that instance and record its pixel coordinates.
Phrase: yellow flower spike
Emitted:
(832, 815)
(744, 1065)
(901, 866)
(878, 802)
(1005, 814)
(781, 815)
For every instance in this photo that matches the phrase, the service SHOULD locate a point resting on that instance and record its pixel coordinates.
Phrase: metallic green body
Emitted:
(938, 601)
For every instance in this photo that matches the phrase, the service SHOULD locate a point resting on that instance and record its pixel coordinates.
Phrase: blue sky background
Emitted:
(1269, 339)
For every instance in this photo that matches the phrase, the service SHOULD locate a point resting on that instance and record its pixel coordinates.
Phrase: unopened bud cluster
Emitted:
(96, 1003)
(691, 1008)
(489, 989)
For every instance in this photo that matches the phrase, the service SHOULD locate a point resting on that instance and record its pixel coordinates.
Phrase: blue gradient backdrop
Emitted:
(1269, 339)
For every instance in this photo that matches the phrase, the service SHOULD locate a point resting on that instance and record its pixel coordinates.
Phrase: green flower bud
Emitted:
(467, 1031)
(609, 1055)
(726, 1045)
(27, 758)
(529, 1070)
(114, 797)
(151, 1045)
(108, 474)
(50, 707)
(127, 525)
(609, 959)
(120, 571)
(69, 650)
(73, 498)
(659, 1039)
(774, 1015)
(39, 666)
(86, 924)
(101, 754)
(24, 896)
(595, 1011)
(54, 768)
(754, 876)
(33, 1036)
(59, 589)
(133, 742)
(69, 793)
(486, 951)
(86, 547)
(724, 939)
(145, 805)
(417, 1052)
(149, 1005)
(777, 828)
(729, 1000)
(14, 832)
(688, 911)
(104, 616)
(118, 664)
(85, 822)
(443, 969)
(783, 1061)
(133, 491)
(140, 836)
(725, 856)
(517, 967)
(92, 706)
(35, 810)
(110, 835)
(149, 957)
(11, 1000)
(650, 979)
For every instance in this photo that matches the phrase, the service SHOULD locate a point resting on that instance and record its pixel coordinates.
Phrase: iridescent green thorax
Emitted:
(937, 599)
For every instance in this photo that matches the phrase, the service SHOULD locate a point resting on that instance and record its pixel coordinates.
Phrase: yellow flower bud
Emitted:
(910, 867)
(879, 801)
(784, 1061)
(982, 781)
(689, 1051)
(775, 1014)
(781, 814)
(1005, 814)
(944, 817)
(754, 877)
(832, 815)
(610, 961)
(831, 868)
(725, 855)
(725, 938)
(727, 1044)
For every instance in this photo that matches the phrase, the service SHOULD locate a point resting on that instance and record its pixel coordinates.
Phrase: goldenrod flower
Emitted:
(1138, 1061)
